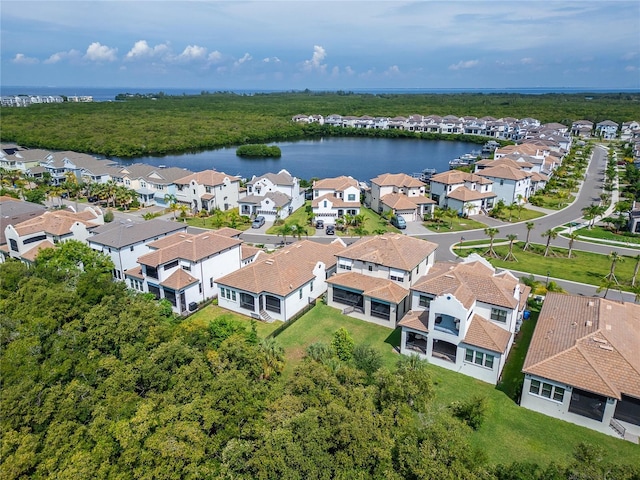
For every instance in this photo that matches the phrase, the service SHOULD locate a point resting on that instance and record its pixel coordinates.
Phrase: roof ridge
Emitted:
(613, 388)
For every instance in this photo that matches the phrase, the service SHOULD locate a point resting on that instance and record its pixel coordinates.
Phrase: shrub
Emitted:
(471, 412)
(343, 344)
(108, 216)
(366, 358)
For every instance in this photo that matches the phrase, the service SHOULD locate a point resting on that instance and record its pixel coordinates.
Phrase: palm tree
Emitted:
(438, 213)
(635, 270)
(491, 233)
(512, 238)
(615, 258)
(511, 207)
(297, 229)
(284, 231)
(450, 213)
(551, 235)
(271, 358)
(171, 200)
(530, 226)
(572, 238)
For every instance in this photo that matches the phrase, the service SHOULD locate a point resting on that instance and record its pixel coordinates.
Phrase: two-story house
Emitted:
(151, 184)
(583, 364)
(280, 285)
(273, 195)
(510, 184)
(466, 193)
(335, 197)
(208, 190)
(607, 129)
(375, 274)
(463, 317)
(401, 194)
(183, 268)
(125, 241)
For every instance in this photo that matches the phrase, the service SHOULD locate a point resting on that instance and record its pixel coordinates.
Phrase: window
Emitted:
(37, 238)
(311, 287)
(170, 265)
(424, 301)
(499, 315)
(371, 268)
(131, 248)
(351, 197)
(344, 265)
(211, 282)
(546, 390)
(247, 301)
(380, 310)
(272, 304)
(14, 244)
(396, 278)
(207, 189)
(479, 358)
(186, 267)
(152, 272)
(300, 293)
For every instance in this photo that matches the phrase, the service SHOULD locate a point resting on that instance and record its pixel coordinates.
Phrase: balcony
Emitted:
(447, 324)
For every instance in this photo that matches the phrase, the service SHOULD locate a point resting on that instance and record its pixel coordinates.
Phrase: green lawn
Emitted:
(510, 433)
(598, 232)
(521, 216)
(203, 317)
(584, 267)
(553, 201)
(300, 217)
(456, 224)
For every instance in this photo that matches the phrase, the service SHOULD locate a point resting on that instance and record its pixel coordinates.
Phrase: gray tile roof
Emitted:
(120, 234)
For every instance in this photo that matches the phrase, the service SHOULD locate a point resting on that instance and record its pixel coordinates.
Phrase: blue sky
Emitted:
(326, 45)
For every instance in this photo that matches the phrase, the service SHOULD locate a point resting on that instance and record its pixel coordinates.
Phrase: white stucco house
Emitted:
(151, 184)
(583, 364)
(387, 192)
(273, 195)
(183, 267)
(208, 190)
(125, 241)
(466, 193)
(509, 184)
(607, 129)
(335, 197)
(280, 285)
(374, 275)
(464, 317)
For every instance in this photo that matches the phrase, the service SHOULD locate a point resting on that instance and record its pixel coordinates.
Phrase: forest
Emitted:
(161, 124)
(102, 382)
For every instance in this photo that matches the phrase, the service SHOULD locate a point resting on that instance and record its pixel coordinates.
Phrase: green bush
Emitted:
(366, 358)
(471, 412)
(343, 344)
(258, 150)
(108, 216)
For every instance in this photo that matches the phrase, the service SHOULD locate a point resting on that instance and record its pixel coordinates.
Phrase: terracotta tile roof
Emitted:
(507, 160)
(538, 177)
(391, 250)
(169, 240)
(465, 194)
(123, 233)
(375, 287)
(57, 222)
(135, 272)
(228, 232)
(469, 282)
(398, 201)
(335, 201)
(278, 198)
(284, 271)
(179, 280)
(523, 149)
(485, 334)
(281, 178)
(590, 343)
(416, 320)
(192, 249)
(339, 184)
(397, 180)
(248, 251)
(31, 254)
(206, 177)
(452, 177)
(504, 171)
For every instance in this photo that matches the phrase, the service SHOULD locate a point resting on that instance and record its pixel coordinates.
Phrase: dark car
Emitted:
(92, 199)
(319, 223)
(331, 230)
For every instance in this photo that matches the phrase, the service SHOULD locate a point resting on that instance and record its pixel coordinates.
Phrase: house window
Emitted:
(186, 267)
(131, 248)
(371, 268)
(479, 358)
(14, 245)
(211, 282)
(344, 266)
(207, 189)
(311, 287)
(247, 301)
(396, 278)
(300, 293)
(546, 390)
(272, 304)
(151, 272)
(380, 310)
(351, 197)
(424, 301)
(499, 315)
(345, 297)
(170, 265)
(324, 204)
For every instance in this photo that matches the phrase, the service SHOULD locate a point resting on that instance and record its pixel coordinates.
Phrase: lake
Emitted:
(361, 158)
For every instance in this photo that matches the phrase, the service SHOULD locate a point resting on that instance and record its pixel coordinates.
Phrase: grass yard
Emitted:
(300, 217)
(553, 201)
(456, 224)
(510, 433)
(523, 215)
(585, 267)
(203, 317)
(602, 233)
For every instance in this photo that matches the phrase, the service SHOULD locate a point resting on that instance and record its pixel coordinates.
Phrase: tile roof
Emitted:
(278, 198)
(228, 232)
(451, 177)
(508, 160)
(504, 171)
(124, 233)
(391, 250)
(469, 282)
(465, 194)
(57, 222)
(335, 201)
(31, 254)
(339, 184)
(169, 240)
(179, 280)
(13, 212)
(485, 334)
(398, 201)
(192, 249)
(284, 271)
(416, 320)
(374, 287)
(523, 149)
(247, 251)
(590, 343)
(281, 178)
(135, 272)
(206, 177)
(397, 180)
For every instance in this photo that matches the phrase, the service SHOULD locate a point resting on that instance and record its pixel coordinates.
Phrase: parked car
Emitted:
(398, 222)
(331, 230)
(319, 223)
(258, 222)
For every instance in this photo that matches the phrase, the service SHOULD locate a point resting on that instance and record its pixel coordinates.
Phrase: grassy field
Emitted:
(456, 224)
(598, 232)
(510, 433)
(522, 216)
(584, 267)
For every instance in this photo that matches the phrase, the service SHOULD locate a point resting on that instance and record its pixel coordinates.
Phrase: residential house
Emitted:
(22, 159)
(464, 317)
(59, 165)
(583, 364)
(273, 195)
(629, 129)
(375, 274)
(335, 197)
(634, 218)
(27, 238)
(183, 267)
(466, 193)
(208, 190)
(386, 189)
(13, 212)
(152, 184)
(510, 184)
(280, 285)
(125, 241)
(582, 128)
(607, 129)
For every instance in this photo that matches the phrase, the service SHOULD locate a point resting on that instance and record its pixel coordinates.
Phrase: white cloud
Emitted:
(463, 64)
(392, 70)
(193, 52)
(141, 49)
(349, 71)
(630, 68)
(245, 58)
(60, 56)
(100, 53)
(22, 59)
(271, 60)
(214, 57)
(315, 63)
(526, 61)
